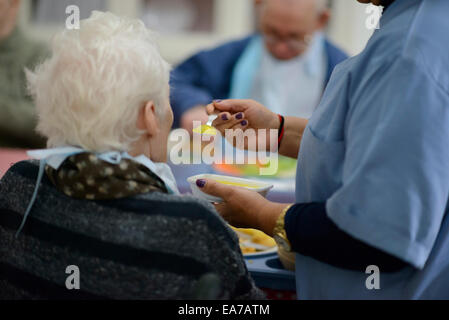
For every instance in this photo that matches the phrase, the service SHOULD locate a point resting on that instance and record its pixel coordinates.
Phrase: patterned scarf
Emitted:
(85, 176)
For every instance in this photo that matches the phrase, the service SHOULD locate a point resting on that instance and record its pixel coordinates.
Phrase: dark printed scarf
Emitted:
(85, 176)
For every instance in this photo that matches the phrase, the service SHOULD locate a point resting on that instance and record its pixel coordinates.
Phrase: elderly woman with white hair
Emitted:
(105, 216)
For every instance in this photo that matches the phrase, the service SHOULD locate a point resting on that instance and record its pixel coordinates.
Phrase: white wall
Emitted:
(232, 19)
(347, 27)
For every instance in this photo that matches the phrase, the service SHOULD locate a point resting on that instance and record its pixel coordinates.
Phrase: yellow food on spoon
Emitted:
(205, 129)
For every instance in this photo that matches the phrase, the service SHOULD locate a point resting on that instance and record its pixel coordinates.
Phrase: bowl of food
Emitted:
(258, 186)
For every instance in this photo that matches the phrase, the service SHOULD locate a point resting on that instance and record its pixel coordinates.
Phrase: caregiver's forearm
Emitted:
(293, 131)
(313, 234)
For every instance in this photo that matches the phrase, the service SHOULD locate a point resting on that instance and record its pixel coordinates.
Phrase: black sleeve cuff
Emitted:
(313, 234)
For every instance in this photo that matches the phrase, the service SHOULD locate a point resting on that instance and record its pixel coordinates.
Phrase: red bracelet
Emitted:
(281, 130)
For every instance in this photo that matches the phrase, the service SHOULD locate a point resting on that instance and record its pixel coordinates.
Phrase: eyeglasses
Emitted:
(292, 43)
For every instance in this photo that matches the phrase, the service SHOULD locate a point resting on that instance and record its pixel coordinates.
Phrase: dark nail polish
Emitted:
(239, 116)
(224, 117)
(244, 123)
(201, 183)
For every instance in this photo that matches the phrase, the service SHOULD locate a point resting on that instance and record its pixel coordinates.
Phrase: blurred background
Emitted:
(184, 26)
(187, 26)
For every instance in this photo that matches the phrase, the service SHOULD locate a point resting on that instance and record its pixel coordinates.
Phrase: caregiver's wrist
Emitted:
(275, 122)
(268, 215)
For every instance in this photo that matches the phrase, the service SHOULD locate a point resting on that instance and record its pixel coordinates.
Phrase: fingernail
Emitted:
(218, 101)
(224, 117)
(201, 183)
(239, 116)
(244, 123)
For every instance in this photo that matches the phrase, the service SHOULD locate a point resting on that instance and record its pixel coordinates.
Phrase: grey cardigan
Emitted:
(152, 246)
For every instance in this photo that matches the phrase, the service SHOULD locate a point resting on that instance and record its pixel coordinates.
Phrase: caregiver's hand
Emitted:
(243, 208)
(249, 114)
(234, 112)
(244, 115)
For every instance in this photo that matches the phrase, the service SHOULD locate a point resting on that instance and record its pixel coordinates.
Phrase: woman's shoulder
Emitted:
(181, 229)
(172, 209)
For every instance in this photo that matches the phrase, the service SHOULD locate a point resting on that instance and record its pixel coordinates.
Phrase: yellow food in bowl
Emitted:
(237, 184)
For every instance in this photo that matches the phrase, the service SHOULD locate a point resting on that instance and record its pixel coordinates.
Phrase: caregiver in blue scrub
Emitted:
(372, 183)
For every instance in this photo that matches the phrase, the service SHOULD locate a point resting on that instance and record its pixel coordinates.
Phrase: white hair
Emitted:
(89, 93)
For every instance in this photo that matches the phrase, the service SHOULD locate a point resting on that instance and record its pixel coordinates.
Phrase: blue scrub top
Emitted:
(377, 152)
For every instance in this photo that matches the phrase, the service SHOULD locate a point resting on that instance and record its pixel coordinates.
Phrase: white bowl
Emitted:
(258, 186)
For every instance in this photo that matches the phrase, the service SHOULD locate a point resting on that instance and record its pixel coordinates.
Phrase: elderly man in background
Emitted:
(17, 113)
(290, 60)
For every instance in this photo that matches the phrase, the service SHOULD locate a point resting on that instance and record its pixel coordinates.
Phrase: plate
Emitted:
(256, 240)
(261, 253)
